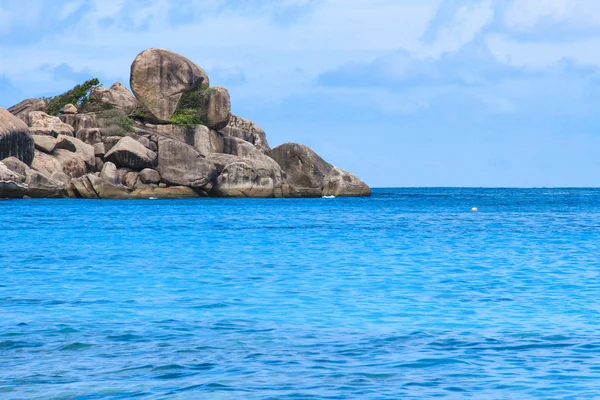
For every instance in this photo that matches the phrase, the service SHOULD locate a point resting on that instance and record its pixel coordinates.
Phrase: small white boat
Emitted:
(329, 197)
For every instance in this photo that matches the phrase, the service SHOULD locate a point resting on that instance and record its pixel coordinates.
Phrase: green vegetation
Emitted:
(78, 96)
(114, 122)
(192, 107)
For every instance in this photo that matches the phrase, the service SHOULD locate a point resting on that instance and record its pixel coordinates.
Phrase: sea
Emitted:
(408, 294)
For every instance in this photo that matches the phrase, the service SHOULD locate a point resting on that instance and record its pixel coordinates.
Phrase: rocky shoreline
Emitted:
(173, 137)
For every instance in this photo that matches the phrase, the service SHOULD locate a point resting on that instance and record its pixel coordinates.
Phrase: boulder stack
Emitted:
(174, 137)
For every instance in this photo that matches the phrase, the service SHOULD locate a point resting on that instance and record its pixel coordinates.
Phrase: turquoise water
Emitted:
(407, 294)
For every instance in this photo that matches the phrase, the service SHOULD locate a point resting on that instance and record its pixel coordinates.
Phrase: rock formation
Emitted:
(174, 137)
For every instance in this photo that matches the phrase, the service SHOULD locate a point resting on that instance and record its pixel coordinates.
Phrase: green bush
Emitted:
(192, 107)
(114, 122)
(77, 96)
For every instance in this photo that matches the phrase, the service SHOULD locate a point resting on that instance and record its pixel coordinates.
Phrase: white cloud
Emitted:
(466, 23)
(525, 15)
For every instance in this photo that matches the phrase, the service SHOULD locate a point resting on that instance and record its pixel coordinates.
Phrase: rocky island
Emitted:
(173, 137)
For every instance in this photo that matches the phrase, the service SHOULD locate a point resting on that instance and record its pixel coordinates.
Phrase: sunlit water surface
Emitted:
(407, 294)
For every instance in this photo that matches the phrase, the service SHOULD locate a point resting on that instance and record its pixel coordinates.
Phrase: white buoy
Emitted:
(474, 209)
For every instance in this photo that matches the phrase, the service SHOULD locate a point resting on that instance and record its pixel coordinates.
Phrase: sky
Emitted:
(403, 93)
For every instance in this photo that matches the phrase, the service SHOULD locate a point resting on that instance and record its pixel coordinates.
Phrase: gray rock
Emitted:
(6, 174)
(109, 173)
(80, 121)
(99, 149)
(107, 190)
(82, 187)
(110, 142)
(308, 175)
(45, 143)
(149, 176)
(200, 137)
(64, 161)
(342, 183)
(23, 108)
(117, 96)
(99, 164)
(63, 143)
(305, 169)
(218, 111)
(15, 139)
(41, 186)
(12, 190)
(160, 77)
(131, 179)
(248, 178)
(41, 123)
(17, 166)
(85, 150)
(132, 154)
(247, 130)
(69, 109)
(60, 177)
(181, 165)
(90, 136)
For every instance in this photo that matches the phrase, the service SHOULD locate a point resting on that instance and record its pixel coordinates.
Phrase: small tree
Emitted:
(77, 96)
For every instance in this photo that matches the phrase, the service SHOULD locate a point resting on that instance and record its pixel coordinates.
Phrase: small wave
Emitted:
(75, 346)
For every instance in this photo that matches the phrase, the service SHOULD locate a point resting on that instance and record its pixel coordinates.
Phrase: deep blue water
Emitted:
(407, 294)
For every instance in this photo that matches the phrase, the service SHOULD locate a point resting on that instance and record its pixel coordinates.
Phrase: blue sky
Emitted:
(400, 92)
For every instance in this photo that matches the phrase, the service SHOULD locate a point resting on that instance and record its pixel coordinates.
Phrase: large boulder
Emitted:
(90, 136)
(160, 77)
(149, 176)
(80, 121)
(247, 130)
(82, 187)
(200, 137)
(85, 150)
(117, 96)
(215, 111)
(17, 166)
(42, 186)
(107, 190)
(41, 123)
(343, 183)
(246, 177)
(109, 173)
(62, 161)
(44, 143)
(69, 109)
(12, 184)
(23, 108)
(130, 153)
(181, 165)
(308, 175)
(15, 139)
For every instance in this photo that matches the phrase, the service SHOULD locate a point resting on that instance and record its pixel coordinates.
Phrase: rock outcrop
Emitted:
(247, 130)
(23, 108)
(15, 139)
(181, 165)
(218, 108)
(130, 153)
(117, 96)
(41, 123)
(309, 175)
(174, 137)
(159, 78)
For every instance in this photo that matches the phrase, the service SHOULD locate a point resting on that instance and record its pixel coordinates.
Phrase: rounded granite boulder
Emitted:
(159, 78)
(15, 139)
